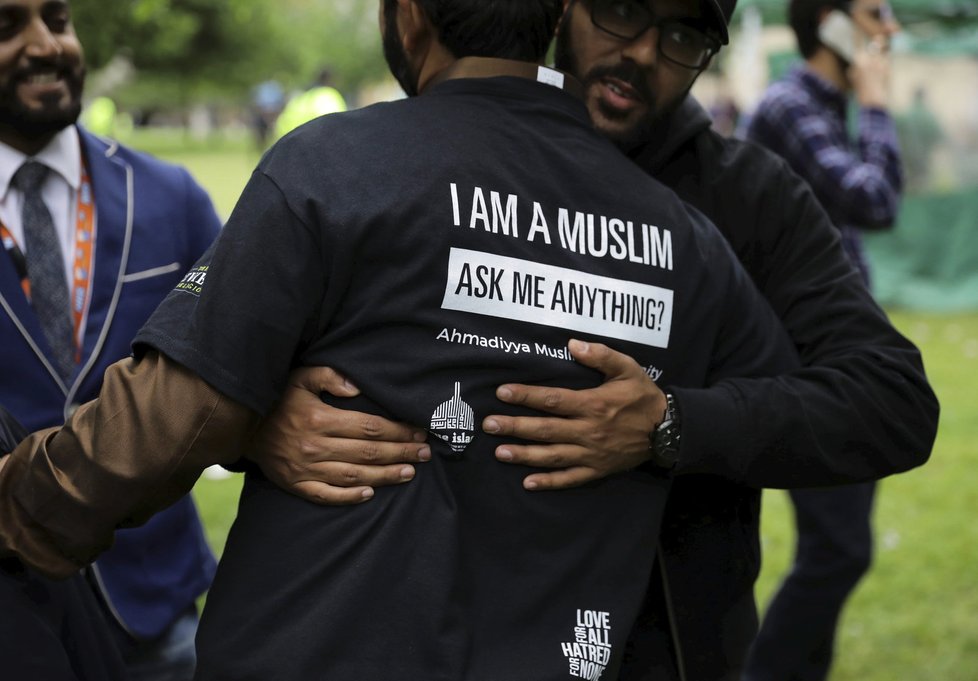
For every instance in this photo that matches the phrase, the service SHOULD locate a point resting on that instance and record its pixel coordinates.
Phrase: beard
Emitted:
(641, 130)
(53, 115)
(395, 56)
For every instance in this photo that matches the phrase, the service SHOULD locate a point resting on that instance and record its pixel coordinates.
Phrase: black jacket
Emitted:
(859, 408)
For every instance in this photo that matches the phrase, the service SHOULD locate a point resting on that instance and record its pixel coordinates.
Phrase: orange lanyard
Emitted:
(81, 275)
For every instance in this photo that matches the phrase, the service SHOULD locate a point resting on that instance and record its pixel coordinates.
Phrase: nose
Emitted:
(643, 50)
(39, 41)
(892, 26)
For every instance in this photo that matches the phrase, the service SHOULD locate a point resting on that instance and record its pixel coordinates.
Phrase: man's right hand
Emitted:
(870, 75)
(328, 455)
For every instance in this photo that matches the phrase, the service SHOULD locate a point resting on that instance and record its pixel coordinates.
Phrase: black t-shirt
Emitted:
(433, 249)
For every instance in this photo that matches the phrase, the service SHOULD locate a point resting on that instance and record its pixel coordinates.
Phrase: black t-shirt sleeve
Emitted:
(243, 312)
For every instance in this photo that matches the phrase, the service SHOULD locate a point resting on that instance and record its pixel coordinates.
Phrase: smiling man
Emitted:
(94, 235)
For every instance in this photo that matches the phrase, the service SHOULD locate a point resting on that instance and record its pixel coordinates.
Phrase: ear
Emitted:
(416, 30)
(564, 17)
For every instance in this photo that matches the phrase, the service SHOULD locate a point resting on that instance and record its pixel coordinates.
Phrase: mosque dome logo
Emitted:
(454, 422)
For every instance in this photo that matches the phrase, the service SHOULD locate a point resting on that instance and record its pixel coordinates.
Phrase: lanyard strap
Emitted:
(81, 275)
(81, 288)
(17, 257)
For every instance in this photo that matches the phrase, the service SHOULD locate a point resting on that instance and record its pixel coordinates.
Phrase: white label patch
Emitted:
(510, 288)
(550, 77)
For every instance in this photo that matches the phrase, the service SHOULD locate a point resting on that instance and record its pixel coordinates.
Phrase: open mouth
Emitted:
(619, 94)
(43, 84)
(45, 78)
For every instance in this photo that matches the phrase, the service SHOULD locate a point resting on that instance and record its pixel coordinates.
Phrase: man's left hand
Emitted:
(591, 433)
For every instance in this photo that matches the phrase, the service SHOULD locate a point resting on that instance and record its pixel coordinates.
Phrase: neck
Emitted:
(29, 145)
(830, 67)
(436, 60)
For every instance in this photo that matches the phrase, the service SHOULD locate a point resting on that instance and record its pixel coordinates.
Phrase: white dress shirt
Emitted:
(63, 157)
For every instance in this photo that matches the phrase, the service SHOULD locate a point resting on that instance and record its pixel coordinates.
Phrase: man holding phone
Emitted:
(803, 117)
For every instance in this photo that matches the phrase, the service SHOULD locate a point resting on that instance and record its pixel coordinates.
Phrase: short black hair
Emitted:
(505, 29)
(803, 16)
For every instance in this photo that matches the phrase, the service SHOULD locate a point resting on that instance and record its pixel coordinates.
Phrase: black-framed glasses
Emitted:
(679, 41)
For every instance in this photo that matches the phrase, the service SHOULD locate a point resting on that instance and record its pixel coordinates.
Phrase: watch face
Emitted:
(665, 444)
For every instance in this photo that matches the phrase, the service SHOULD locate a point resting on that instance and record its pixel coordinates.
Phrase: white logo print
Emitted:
(590, 651)
(454, 422)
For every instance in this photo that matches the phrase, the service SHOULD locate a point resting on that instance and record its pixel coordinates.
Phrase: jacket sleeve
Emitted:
(133, 451)
(860, 406)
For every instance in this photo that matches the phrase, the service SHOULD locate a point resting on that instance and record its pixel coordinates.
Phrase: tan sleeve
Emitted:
(133, 451)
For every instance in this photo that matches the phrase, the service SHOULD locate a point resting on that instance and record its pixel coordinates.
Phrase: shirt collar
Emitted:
(62, 154)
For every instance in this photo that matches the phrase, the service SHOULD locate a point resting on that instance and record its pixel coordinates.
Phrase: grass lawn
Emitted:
(221, 163)
(914, 617)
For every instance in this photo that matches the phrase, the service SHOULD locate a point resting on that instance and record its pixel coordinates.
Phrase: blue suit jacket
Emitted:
(153, 222)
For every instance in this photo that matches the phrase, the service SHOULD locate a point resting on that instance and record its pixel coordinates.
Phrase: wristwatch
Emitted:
(664, 440)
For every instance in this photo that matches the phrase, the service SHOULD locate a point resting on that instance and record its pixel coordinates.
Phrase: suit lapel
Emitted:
(113, 190)
(14, 304)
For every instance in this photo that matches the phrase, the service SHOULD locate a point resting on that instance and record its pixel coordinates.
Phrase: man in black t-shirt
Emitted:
(430, 249)
(860, 408)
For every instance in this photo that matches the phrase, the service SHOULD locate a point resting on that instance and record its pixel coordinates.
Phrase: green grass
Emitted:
(221, 163)
(914, 617)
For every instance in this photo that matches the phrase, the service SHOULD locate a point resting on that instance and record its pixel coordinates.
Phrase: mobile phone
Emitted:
(838, 33)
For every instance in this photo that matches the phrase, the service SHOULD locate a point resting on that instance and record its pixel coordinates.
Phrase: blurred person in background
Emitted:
(320, 99)
(803, 118)
(267, 102)
(921, 134)
(861, 407)
(94, 237)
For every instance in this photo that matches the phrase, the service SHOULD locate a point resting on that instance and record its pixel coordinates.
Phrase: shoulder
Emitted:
(747, 164)
(106, 150)
(782, 100)
(740, 176)
(100, 148)
(149, 172)
(156, 190)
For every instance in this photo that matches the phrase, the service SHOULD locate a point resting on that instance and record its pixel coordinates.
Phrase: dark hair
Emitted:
(506, 29)
(803, 16)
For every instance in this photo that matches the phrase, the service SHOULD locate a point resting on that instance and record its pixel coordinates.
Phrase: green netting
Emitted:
(929, 262)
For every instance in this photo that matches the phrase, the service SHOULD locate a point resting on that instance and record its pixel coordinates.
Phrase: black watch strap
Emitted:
(664, 441)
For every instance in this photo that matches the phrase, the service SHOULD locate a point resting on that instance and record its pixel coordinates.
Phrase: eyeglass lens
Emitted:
(678, 42)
